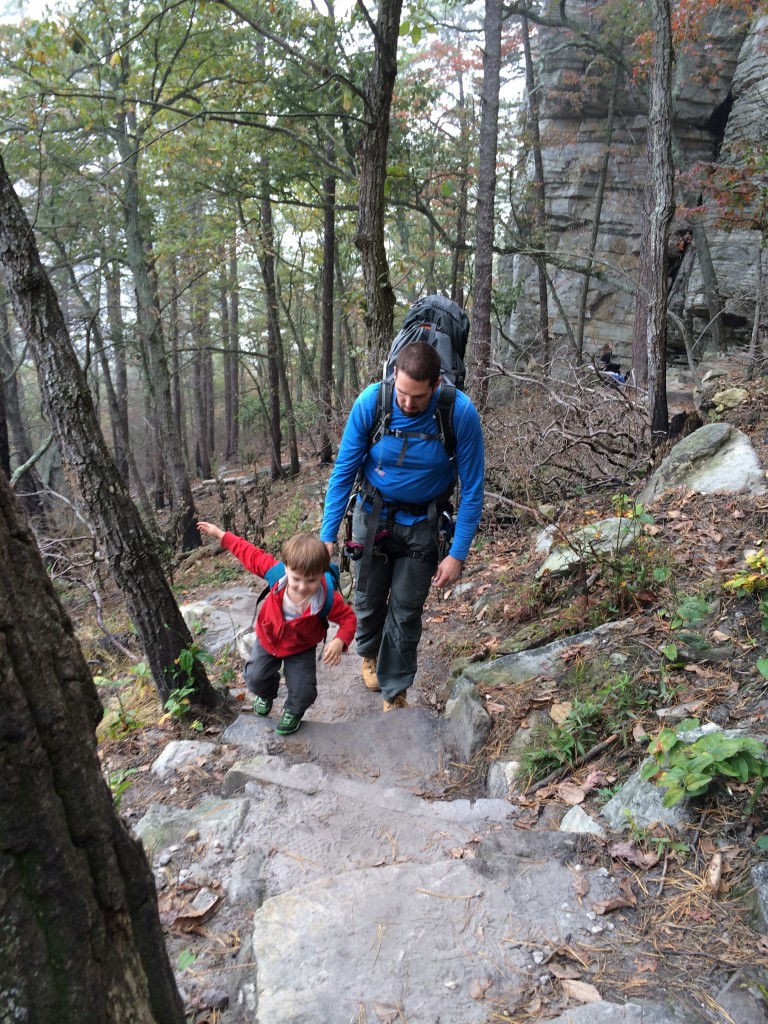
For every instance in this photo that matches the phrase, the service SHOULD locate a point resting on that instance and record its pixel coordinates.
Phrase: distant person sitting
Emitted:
(606, 360)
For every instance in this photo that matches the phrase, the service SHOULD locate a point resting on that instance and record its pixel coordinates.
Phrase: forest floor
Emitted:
(668, 593)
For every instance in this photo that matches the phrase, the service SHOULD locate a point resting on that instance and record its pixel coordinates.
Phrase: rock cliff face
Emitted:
(592, 117)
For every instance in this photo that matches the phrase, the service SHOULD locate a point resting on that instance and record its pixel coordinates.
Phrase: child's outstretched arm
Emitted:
(210, 530)
(333, 651)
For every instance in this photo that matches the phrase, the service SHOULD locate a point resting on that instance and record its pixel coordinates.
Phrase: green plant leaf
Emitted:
(762, 666)
(693, 610)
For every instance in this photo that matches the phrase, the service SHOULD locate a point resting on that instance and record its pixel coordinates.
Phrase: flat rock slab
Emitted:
(441, 942)
(401, 747)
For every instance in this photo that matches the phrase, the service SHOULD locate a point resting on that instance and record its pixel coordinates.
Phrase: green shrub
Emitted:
(684, 767)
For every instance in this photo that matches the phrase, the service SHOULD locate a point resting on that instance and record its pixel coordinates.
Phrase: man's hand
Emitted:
(333, 651)
(330, 546)
(448, 572)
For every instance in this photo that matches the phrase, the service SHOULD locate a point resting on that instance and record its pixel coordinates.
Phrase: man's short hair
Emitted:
(419, 361)
(305, 554)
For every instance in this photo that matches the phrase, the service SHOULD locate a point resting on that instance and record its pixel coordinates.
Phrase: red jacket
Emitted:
(277, 635)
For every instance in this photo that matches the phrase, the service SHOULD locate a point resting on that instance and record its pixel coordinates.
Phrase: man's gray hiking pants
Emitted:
(389, 612)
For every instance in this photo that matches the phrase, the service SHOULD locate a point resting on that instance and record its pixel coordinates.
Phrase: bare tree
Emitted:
(81, 938)
(649, 348)
(67, 404)
(369, 237)
(486, 194)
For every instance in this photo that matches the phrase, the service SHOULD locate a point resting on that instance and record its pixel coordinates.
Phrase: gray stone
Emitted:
(743, 999)
(760, 881)
(640, 802)
(179, 753)
(730, 398)
(547, 660)
(466, 722)
(224, 616)
(219, 822)
(405, 921)
(605, 537)
(577, 820)
(717, 457)
(502, 776)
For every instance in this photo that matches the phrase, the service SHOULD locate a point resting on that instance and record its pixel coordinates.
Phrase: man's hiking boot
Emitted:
(262, 706)
(288, 723)
(370, 678)
(398, 701)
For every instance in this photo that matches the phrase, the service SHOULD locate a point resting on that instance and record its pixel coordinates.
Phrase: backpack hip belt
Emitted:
(433, 510)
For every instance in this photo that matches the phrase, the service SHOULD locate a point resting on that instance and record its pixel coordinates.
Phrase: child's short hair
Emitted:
(306, 554)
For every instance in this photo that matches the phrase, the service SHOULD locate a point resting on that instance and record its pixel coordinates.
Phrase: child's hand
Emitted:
(333, 651)
(210, 530)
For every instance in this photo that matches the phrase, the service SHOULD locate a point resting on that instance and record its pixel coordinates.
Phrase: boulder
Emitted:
(717, 457)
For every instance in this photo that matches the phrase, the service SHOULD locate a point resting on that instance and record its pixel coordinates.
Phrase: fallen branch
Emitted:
(590, 755)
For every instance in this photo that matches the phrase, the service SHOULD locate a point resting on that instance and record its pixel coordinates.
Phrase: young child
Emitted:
(288, 625)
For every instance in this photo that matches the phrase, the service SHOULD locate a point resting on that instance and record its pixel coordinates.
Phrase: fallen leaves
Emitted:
(580, 991)
(633, 854)
(479, 987)
(188, 915)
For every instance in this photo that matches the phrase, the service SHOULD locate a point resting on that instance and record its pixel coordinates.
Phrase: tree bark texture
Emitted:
(68, 406)
(658, 206)
(369, 237)
(486, 196)
(80, 937)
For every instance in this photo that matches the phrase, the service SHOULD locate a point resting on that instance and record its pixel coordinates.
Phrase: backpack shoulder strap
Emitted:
(275, 573)
(383, 416)
(446, 402)
(271, 577)
(332, 583)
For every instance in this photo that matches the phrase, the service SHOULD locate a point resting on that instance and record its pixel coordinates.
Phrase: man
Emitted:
(407, 479)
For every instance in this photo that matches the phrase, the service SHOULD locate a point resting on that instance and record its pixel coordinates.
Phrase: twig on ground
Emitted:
(590, 755)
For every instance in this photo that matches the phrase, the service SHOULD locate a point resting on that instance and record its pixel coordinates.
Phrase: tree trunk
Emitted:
(349, 341)
(233, 439)
(369, 237)
(67, 404)
(539, 199)
(120, 430)
(81, 938)
(459, 258)
(5, 448)
(201, 399)
(151, 330)
(267, 261)
(755, 343)
(226, 354)
(658, 207)
(30, 486)
(486, 195)
(326, 345)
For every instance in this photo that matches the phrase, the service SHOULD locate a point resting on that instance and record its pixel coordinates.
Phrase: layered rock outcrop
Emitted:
(720, 103)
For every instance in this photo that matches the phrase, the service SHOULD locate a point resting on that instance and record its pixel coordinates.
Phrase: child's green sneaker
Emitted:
(288, 723)
(262, 706)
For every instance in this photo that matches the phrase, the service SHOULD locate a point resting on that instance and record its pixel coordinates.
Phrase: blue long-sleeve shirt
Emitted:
(426, 471)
